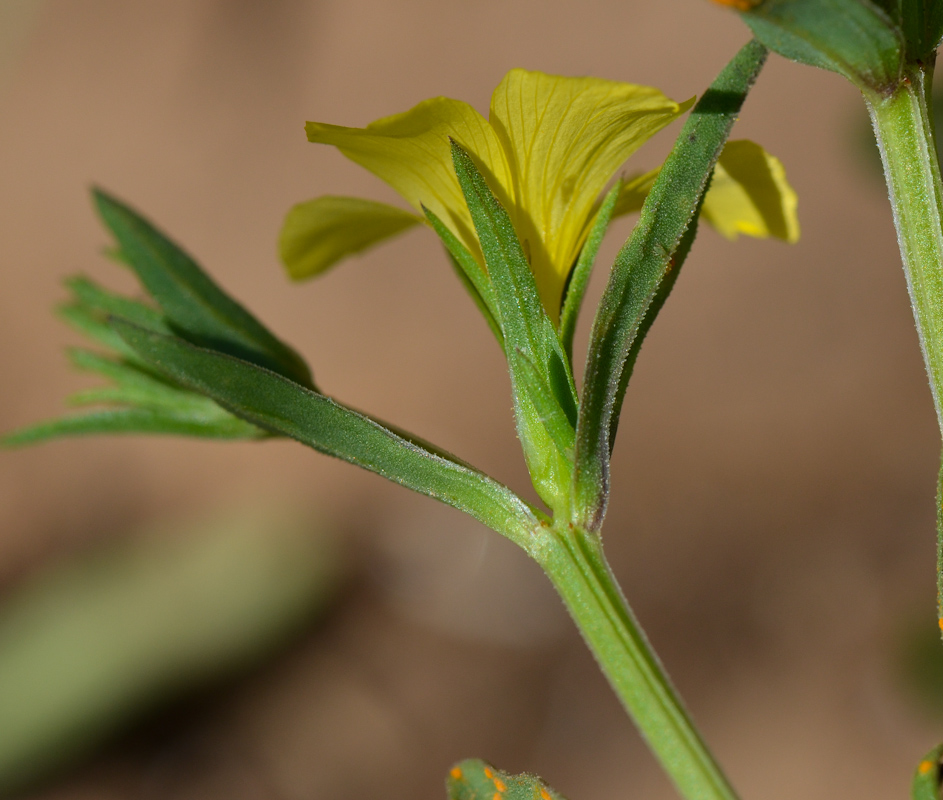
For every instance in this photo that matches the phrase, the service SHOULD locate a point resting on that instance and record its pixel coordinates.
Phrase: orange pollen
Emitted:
(544, 794)
(925, 767)
(488, 773)
(941, 623)
(499, 785)
(456, 773)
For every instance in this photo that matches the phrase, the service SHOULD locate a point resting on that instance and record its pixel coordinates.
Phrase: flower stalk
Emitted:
(903, 124)
(573, 559)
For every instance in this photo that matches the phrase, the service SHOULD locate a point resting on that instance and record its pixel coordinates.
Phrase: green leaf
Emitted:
(856, 38)
(579, 277)
(926, 782)
(279, 405)
(640, 269)
(214, 423)
(137, 386)
(531, 343)
(473, 277)
(474, 779)
(319, 233)
(151, 405)
(94, 326)
(191, 302)
(539, 391)
(92, 296)
(92, 305)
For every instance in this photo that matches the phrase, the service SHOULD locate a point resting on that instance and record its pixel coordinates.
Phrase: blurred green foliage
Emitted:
(88, 644)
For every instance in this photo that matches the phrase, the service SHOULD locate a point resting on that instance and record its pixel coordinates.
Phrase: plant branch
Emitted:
(903, 124)
(574, 561)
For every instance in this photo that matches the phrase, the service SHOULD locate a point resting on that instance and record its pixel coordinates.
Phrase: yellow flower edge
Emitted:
(756, 202)
(548, 150)
(749, 194)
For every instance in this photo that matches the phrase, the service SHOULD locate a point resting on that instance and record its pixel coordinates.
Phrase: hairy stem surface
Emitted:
(574, 561)
(903, 124)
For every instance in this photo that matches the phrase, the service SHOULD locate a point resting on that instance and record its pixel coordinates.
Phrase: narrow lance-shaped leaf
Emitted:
(139, 387)
(277, 404)
(190, 300)
(214, 423)
(88, 313)
(640, 269)
(93, 296)
(142, 403)
(530, 341)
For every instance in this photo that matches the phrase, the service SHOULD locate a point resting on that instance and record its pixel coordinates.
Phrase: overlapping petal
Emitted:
(319, 233)
(749, 194)
(564, 139)
(548, 150)
(411, 152)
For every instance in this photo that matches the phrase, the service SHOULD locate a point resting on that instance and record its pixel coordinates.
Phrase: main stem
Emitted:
(903, 124)
(574, 561)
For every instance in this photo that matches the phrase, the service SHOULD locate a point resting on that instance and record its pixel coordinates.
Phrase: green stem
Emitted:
(903, 124)
(904, 129)
(575, 563)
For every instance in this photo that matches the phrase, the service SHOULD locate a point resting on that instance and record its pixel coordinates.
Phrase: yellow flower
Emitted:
(548, 149)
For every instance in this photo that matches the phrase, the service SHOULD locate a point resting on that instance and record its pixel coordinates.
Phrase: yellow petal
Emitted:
(750, 195)
(565, 138)
(411, 152)
(319, 233)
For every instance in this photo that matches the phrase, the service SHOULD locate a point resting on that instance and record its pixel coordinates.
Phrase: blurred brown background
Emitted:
(772, 514)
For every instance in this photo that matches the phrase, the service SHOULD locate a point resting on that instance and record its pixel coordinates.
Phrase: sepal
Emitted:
(654, 251)
(542, 384)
